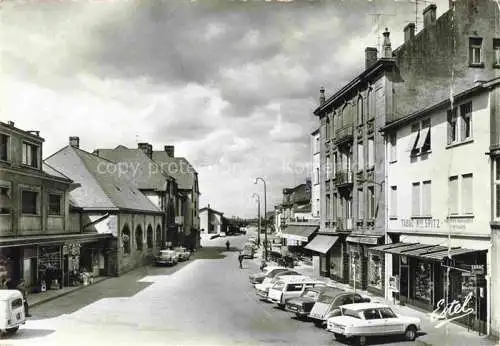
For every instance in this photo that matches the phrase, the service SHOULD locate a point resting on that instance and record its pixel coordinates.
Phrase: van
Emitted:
(290, 287)
(12, 313)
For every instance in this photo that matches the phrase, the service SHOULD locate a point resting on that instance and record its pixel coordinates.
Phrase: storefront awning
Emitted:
(299, 233)
(452, 252)
(321, 243)
(432, 252)
(387, 246)
(364, 239)
(53, 239)
(400, 249)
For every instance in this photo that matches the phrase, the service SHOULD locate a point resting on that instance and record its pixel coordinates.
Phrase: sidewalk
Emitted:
(449, 334)
(35, 299)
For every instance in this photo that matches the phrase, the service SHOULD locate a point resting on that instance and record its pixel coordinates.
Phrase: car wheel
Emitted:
(318, 324)
(411, 333)
(360, 340)
(339, 336)
(12, 330)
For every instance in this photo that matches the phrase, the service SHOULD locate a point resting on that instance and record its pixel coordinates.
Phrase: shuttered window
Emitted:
(426, 198)
(361, 161)
(453, 195)
(415, 194)
(467, 200)
(394, 202)
(361, 209)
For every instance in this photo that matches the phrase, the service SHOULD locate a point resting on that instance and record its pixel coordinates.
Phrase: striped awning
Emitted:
(299, 233)
(321, 243)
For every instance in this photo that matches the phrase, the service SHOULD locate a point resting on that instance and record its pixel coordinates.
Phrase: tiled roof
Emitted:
(102, 185)
(143, 171)
(178, 167)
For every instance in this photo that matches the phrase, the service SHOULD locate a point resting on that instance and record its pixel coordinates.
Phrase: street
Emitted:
(205, 301)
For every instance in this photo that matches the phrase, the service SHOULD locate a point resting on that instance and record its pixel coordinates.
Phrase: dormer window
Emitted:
(30, 155)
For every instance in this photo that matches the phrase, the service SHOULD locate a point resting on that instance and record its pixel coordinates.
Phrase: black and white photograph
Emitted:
(250, 172)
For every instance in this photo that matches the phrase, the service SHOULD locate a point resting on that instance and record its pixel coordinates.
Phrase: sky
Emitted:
(232, 84)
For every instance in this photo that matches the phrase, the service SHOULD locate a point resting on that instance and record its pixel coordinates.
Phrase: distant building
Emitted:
(211, 221)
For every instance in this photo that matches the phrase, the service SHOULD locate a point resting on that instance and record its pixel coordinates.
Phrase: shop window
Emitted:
(139, 242)
(5, 201)
(375, 271)
(423, 282)
(29, 202)
(126, 239)
(475, 51)
(4, 147)
(55, 204)
(30, 155)
(149, 237)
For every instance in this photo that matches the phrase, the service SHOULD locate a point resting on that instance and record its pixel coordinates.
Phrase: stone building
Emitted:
(113, 204)
(315, 176)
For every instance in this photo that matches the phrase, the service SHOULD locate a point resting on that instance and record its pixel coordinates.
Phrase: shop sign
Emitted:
(477, 269)
(445, 313)
(420, 223)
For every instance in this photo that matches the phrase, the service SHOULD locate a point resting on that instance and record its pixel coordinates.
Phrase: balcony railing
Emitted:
(344, 225)
(344, 134)
(344, 178)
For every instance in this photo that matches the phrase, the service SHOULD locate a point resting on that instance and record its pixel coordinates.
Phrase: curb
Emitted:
(48, 299)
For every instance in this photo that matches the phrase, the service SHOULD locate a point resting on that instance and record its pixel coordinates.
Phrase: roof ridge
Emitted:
(58, 171)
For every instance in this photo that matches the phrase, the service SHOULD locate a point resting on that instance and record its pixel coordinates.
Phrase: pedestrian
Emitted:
(227, 245)
(240, 259)
(263, 264)
(22, 288)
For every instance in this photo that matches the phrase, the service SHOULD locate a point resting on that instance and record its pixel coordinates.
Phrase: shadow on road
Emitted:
(26, 333)
(124, 286)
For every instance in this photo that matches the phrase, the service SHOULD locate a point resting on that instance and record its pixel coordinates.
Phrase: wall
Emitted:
(204, 221)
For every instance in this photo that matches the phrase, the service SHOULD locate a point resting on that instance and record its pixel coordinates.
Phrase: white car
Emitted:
(262, 290)
(290, 287)
(362, 320)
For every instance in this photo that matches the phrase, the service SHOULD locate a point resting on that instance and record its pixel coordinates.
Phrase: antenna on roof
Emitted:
(418, 11)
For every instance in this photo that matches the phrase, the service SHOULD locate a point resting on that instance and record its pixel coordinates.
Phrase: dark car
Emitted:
(302, 306)
(328, 303)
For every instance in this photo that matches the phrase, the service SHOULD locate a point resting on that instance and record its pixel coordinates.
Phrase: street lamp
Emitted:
(265, 212)
(258, 216)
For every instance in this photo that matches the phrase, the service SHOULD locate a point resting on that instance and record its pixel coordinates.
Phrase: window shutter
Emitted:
(467, 200)
(450, 127)
(415, 199)
(453, 194)
(426, 198)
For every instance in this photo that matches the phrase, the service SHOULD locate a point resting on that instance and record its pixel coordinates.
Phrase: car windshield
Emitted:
(351, 313)
(310, 293)
(328, 296)
(387, 313)
(279, 285)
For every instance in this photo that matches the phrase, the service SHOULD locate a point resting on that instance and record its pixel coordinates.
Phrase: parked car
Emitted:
(329, 302)
(222, 234)
(302, 306)
(182, 253)
(12, 307)
(166, 257)
(359, 321)
(262, 289)
(288, 287)
(269, 272)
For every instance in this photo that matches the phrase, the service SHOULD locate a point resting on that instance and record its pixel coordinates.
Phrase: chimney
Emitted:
(429, 15)
(321, 95)
(370, 56)
(10, 123)
(208, 205)
(387, 44)
(409, 31)
(74, 141)
(169, 149)
(146, 148)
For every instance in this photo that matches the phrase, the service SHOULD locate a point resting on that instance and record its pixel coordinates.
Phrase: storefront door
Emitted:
(404, 282)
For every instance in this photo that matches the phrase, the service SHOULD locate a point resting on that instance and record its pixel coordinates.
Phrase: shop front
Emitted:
(296, 237)
(329, 249)
(366, 269)
(433, 277)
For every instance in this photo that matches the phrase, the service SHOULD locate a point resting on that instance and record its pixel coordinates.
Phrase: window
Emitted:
(316, 147)
(413, 138)
(4, 147)
(371, 202)
(294, 287)
(361, 152)
(335, 205)
(452, 126)
(361, 211)
(360, 111)
(466, 198)
(393, 148)
(420, 138)
(387, 313)
(17, 303)
(126, 239)
(328, 167)
(371, 153)
(5, 201)
(375, 271)
(496, 51)
(475, 50)
(327, 128)
(317, 210)
(466, 125)
(327, 207)
(372, 314)
(335, 163)
(55, 204)
(29, 200)
(149, 237)
(426, 198)
(415, 193)
(394, 202)
(139, 242)
(30, 155)
(497, 188)
(453, 195)
(316, 180)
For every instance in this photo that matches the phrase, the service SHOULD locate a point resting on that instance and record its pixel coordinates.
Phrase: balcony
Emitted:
(370, 126)
(344, 225)
(344, 134)
(344, 179)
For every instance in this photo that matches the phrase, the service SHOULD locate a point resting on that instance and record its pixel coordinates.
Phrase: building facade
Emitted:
(41, 238)
(315, 174)
(211, 221)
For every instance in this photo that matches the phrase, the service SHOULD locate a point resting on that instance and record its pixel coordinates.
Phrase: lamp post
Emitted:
(258, 217)
(265, 212)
